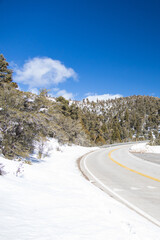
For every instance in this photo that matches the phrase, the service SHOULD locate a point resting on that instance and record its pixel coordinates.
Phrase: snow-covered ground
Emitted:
(144, 148)
(51, 200)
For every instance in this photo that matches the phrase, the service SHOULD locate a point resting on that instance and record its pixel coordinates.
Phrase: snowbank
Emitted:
(53, 201)
(9, 167)
(144, 148)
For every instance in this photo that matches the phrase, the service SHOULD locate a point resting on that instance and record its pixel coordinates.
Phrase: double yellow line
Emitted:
(132, 170)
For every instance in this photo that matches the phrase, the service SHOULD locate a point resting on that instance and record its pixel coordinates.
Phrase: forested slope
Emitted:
(26, 118)
(122, 119)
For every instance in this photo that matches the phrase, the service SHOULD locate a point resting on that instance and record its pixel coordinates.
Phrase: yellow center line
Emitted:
(132, 170)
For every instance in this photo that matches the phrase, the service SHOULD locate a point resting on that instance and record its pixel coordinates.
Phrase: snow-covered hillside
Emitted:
(51, 200)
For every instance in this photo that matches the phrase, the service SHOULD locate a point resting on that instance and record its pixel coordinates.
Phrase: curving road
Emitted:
(129, 179)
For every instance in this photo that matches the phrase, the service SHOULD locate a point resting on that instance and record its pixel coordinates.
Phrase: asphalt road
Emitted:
(131, 180)
(152, 157)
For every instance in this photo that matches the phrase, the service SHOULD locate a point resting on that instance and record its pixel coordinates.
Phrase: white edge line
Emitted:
(130, 205)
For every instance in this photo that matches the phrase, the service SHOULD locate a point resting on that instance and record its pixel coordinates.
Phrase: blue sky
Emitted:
(101, 46)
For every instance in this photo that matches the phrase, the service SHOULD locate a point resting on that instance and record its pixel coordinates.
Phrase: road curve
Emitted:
(127, 178)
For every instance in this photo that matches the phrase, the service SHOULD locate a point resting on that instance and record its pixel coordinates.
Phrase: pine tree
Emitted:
(5, 73)
(157, 140)
(126, 116)
(150, 136)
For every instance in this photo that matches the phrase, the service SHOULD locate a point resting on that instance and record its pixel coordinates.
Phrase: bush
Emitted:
(157, 140)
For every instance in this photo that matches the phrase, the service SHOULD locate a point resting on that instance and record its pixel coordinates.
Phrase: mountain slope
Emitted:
(26, 118)
(122, 119)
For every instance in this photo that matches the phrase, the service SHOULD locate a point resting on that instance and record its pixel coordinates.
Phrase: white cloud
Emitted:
(55, 89)
(56, 92)
(34, 90)
(90, 94)
(103, 97)
(65, 94)
(43, 72)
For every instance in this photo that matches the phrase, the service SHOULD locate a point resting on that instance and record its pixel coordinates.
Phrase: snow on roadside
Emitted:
(14, 168)
(144, 148)
(54, 201)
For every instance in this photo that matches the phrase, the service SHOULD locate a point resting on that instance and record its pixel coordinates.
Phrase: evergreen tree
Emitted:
(150, 136)
(43, 92)
(5, 73)
(157, 140)
(126, 116)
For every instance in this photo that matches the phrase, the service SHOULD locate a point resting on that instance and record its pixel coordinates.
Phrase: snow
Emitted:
(43, 110)
(12, 168)
(52, 200)
(103, 97)
(30, 100)
(51, 99)
(99, 108)
(145, 148)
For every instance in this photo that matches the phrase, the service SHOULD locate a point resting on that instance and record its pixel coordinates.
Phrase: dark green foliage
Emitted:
(64, 105)
(5, 73)
(43, 92)
(26, 117)
(157, 140)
